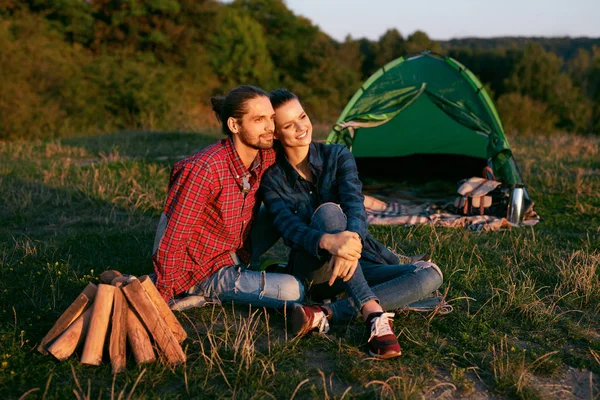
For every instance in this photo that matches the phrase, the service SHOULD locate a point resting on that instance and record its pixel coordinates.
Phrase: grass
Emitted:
(526, 301)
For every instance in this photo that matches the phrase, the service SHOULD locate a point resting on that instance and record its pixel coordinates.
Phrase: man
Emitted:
(203, 239)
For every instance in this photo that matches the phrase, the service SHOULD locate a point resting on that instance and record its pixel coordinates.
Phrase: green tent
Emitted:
(425, 103)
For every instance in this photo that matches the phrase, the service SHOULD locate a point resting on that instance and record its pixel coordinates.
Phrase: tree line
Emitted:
(75, 66)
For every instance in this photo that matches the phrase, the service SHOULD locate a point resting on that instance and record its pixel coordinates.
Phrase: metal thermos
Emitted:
(516, 205)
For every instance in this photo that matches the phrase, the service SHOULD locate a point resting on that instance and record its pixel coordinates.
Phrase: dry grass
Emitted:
(526, 301)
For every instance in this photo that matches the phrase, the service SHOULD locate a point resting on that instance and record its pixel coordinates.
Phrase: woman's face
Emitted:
(292, 125)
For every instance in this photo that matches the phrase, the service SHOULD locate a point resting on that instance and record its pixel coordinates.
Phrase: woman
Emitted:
(314, 195)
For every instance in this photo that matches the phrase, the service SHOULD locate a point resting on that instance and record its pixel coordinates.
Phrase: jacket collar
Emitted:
(315, 163)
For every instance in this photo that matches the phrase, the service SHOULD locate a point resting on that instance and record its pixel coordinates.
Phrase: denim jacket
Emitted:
(335, 178)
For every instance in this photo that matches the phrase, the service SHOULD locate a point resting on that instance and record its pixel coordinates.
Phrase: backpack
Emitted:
(482, 196)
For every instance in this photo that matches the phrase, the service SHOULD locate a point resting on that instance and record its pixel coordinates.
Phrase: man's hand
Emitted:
(345, 244)
(342, 268)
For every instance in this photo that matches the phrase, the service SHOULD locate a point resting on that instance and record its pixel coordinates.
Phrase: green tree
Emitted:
(525, 116)
(390, 46)
(39, 71)
(290, 38)
(584, 69)
(323, 72)
(538, 75)
(368, 52)
(419, 41)
(72, 18)
(492, 66)
(335, 76)
(238, 50)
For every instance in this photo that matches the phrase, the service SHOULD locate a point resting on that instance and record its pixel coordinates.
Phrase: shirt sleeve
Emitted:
(293, 229)
(188, 193)
(350, 193)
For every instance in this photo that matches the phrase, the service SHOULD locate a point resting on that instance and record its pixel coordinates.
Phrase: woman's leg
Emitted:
(330, 218)
(382, 343)
(410, 284)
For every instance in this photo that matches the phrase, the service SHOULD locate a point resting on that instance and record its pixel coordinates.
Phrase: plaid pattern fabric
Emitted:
(406, 212)
(209, 209)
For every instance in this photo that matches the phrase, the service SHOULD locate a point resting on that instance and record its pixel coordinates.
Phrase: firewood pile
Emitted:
(120, 309)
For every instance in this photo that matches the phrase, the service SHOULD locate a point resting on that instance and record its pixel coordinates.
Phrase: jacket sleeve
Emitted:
(350, 193)
(294, 230)
(188, 193)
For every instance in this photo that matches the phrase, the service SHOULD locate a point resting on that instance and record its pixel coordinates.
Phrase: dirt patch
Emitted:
(571, 384)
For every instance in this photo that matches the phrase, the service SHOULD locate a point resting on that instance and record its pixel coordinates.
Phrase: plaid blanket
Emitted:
(408, 212)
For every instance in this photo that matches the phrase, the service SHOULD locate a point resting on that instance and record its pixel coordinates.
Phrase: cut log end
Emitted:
(108, 275)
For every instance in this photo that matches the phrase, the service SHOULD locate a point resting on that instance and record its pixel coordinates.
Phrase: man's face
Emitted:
(256, 127)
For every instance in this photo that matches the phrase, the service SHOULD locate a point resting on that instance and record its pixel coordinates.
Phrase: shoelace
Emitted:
(380, 326)
(323, 324)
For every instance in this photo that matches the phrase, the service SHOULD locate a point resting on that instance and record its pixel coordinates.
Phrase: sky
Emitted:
(447, 19)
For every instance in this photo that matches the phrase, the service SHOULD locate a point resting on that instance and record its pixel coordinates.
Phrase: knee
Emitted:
(291, 289)
(329, 217)
(432, 274)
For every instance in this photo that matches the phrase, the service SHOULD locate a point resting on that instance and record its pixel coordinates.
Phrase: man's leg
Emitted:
(243, 286)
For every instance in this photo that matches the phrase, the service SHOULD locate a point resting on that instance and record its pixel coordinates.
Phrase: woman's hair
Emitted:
(281, 96)
(234, 104)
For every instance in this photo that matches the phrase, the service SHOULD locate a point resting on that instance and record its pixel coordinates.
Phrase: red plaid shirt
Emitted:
(208, 216)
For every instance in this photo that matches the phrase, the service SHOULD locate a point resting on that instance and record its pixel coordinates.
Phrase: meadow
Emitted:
(526, 301)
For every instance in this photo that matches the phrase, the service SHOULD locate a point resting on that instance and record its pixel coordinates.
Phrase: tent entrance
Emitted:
(419, 168)
(420, 143)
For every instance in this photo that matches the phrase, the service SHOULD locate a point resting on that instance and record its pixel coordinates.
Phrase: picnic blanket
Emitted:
(402, 211)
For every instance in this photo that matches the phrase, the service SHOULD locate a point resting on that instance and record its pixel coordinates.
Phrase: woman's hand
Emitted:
(345, 244)
(342, 268)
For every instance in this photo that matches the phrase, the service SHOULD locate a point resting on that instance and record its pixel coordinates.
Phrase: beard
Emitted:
(257, 143)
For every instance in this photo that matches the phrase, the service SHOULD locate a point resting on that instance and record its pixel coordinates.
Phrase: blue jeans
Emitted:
(259, 288)
(393, 285)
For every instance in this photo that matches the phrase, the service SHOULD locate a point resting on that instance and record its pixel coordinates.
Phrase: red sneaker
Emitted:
(383, 343)
(305, 319)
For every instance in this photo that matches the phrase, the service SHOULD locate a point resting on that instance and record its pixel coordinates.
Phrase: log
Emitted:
(94, 342)
(72, 337)
(122, 279)
(108, 275)
(139, 339)
(163, 308)
(156, 325)
(118, 334)
(71, 314)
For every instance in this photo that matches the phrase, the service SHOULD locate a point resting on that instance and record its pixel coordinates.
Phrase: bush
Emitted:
(38, 69)
(524, 115)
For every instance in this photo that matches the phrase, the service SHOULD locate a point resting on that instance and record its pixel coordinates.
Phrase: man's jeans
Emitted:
(395, 285)
(244, 286)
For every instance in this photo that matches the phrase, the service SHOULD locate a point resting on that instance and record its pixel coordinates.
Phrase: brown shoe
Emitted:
(383, 343)
(306, 319)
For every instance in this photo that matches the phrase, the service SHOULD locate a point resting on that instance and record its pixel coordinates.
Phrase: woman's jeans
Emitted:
(394, 285)
(244, 286)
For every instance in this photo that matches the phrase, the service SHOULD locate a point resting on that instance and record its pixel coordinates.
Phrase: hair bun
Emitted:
(218, 103)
